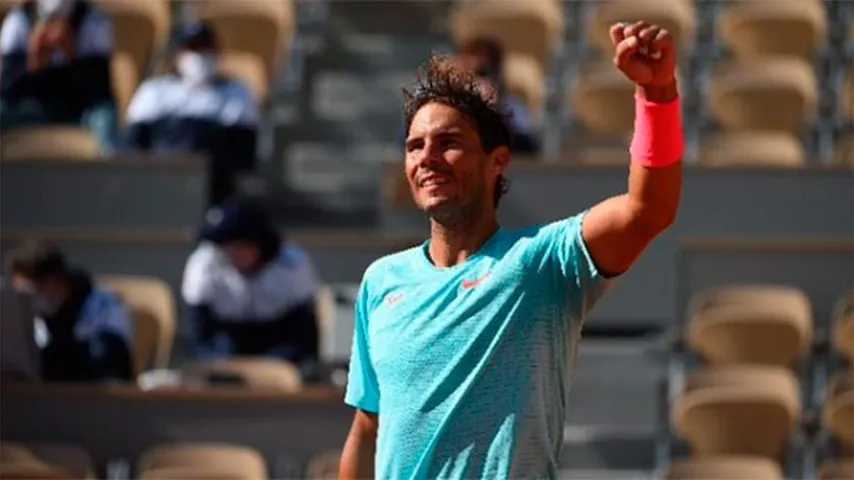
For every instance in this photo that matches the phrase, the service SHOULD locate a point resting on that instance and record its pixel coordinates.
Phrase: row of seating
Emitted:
(746, 400)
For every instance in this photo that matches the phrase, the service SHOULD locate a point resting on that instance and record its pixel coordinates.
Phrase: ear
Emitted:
(500, 159)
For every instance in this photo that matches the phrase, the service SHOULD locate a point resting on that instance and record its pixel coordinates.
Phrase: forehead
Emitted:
(435, 118)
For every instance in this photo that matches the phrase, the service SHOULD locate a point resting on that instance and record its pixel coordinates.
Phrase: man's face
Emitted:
(446, 166)
(244, 255)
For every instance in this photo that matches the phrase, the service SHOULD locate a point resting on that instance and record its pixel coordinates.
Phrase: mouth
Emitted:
(434, 180)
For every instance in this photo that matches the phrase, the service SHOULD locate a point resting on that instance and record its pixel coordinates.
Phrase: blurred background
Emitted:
(190, 192)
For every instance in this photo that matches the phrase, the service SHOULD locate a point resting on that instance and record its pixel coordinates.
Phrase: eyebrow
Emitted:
(453, 131)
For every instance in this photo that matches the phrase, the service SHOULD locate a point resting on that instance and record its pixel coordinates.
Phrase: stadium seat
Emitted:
(602, 99)
(730, 467)
(49, 142)
(844, 155)
(608, 155)
(677, 16)
(770, 325)
(256, 373)
(141, 29)
(262, 29)
(18, 460)
(153, 308)
(248, 68)
(846, 97)
(212, 461)
(530, 28)
(323, 465)
(782, 27)
(843, 327)
(757, 148)
(125, 77)
(838, 414)
(767, 94)
(524, 78)
(842, 469)
(738, 410)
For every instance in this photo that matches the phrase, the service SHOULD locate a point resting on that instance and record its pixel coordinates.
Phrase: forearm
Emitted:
(357, 457)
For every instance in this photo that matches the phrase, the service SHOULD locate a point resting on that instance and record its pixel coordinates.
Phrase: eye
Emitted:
(414, 146)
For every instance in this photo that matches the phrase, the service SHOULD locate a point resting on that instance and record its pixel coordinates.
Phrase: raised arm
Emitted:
(618, 229)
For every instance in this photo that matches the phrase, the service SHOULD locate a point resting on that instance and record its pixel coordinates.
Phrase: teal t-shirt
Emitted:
(468, 367)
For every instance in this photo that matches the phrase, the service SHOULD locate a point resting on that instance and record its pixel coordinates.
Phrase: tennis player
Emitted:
(463, 345)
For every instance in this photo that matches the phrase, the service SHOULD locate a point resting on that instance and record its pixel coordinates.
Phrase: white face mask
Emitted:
(195, 67)
(54, 8)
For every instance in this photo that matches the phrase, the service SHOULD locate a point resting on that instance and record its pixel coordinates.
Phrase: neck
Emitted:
(452, 244)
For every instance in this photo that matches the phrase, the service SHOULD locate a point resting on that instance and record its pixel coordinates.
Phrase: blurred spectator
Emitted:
(83, 333)
(56, 67)
(486, 59)
(196, 109)
(248, 293)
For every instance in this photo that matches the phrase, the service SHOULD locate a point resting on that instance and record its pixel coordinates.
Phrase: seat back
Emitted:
(49, 142)
(843, 326)
(260, 28)
(202, 460)
(837, 469)
(152, 306)
(782, 27)
(524, 78)
(838, 414)
(731, 467)
(531, 28)
(601, 99)
(764, 324)
(140, 29)
(257, 373)
(757, 148)
(323, 465)
(738, 411)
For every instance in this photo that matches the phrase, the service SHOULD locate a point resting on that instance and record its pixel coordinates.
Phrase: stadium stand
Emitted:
(757, 148)
(843, 329)
(838, 414)
(153, 309)
(65, 461)
(205, 461)
(732, 467)
(767, 325)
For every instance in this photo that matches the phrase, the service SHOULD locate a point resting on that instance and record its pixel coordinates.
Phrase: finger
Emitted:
(662, 43)
(648, 34)
(625, 49)
(616, 32)
(634, 28)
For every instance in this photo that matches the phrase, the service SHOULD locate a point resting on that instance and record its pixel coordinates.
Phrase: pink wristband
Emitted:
(658, 140)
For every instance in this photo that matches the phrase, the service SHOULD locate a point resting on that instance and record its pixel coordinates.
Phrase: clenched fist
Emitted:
(646, 54)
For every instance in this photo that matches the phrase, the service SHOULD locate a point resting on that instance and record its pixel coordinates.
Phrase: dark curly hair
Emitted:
(441, 80)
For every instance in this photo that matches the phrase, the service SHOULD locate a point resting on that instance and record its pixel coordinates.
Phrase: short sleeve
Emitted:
(362, 387)
(145, 104)
(15, 33)
(566, 254)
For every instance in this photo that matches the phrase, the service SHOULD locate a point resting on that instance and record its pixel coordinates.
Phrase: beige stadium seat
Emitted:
(531, 28)
(838, 414)
(323, 465)
(767, 94)
(842, 469)
(846, 107)
(844, 155)
(677, 16)
(730, 467)
(843, 327)
(152, 305)
(262, 29)
(256, 373)
(757, 148)
(602, 99)
(595, 155)
(782, 27)
(141, 29)
(763, 324)
(213, 461)
(49, 142)
(738, 410)
(59, 460)
(524, 78)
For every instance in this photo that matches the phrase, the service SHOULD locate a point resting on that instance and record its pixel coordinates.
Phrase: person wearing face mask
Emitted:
(248, 292)
(56, 68)
(83, 333)
(485, 58)
(196, 109)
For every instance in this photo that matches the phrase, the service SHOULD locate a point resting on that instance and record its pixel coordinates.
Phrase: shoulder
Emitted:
(104, 311)
(205, 257)
(395, 265)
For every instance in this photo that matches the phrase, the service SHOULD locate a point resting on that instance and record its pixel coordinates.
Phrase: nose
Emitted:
(430, 155)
